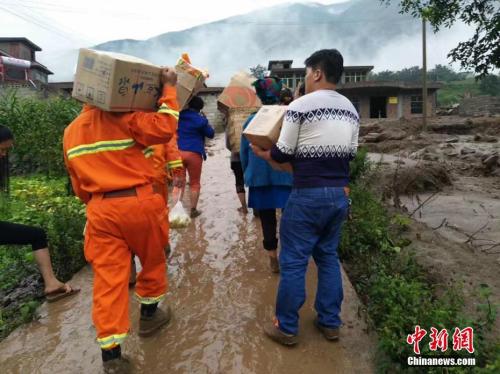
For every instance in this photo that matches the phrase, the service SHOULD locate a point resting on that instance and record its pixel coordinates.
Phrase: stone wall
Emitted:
(215, 117)
(480, 106)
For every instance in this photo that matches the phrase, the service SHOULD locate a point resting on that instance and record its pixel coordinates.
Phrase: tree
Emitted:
(385, 75)
(482, 51)
(258, 71)
(446, 74)
(412, 74)
(490, 85)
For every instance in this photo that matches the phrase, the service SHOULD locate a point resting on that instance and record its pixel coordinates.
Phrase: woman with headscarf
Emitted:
(268, 189)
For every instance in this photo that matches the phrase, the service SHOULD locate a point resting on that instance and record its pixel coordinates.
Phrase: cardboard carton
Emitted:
(265, 128)
(116, 82)
(190, 80)
(236, 118)
(239, 93)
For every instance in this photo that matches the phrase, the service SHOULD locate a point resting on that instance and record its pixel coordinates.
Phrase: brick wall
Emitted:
(392, 110)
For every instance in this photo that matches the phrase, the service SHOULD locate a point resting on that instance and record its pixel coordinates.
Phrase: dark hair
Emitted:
(5, 133)
(329, 61)
(196, 103)
(286, 96)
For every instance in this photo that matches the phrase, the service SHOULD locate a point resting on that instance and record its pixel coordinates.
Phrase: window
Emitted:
(288, 80)
(15, 73)
(39, 76)
(355, 76)
(416, 105)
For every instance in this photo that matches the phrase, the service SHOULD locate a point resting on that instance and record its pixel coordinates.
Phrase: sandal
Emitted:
(62, 292)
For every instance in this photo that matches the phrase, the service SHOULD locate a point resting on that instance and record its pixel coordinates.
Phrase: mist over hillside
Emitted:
(366, 33)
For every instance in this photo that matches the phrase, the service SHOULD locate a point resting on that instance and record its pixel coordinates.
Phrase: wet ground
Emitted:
(220, 290)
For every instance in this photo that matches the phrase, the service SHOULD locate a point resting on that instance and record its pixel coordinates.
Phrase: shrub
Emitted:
(38, 127)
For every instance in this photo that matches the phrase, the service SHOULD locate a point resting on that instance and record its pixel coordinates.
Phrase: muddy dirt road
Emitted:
(220, 291)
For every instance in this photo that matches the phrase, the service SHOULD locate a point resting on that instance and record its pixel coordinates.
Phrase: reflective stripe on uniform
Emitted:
(149, 300)
(175, 164)
(102, 146)
(165, 109)
(111, 341)
(148, 152)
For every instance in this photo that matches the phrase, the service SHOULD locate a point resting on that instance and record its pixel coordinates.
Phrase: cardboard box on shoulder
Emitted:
(265, 128)
(236, 117)
(116, 82)
(239, 93)
(190, 80)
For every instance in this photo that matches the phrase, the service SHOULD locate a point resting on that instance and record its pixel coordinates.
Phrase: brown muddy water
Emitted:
(220, 290)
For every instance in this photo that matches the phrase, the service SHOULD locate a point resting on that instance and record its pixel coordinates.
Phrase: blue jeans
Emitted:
(311, 225)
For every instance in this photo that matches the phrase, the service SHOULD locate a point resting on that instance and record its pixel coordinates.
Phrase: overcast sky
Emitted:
(61, 27)
(56, 24)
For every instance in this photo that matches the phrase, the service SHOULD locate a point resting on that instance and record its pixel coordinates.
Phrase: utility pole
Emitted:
(424, 76)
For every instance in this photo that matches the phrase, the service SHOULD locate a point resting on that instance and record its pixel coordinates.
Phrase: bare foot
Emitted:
(55, 286)
(243, 210)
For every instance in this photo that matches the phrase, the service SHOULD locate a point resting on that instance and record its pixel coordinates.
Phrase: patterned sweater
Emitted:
(319, 137)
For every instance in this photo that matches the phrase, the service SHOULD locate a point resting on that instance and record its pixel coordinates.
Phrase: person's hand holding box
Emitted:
(168, 76)
(266, 155)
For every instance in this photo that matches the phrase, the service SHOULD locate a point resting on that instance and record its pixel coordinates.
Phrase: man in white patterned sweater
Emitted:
(319, 137)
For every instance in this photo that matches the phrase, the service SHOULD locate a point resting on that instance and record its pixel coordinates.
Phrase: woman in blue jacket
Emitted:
(192, 130)
(268, 189)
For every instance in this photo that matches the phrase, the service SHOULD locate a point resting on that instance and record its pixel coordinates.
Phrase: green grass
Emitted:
(453, 92)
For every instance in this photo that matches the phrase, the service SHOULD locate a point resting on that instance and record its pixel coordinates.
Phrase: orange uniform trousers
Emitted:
(118, 227)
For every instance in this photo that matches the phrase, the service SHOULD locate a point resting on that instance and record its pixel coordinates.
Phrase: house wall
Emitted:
(399, 108)
(431, 104)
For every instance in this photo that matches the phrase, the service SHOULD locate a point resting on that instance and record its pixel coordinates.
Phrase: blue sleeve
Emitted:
(208, 130)
(245, 146)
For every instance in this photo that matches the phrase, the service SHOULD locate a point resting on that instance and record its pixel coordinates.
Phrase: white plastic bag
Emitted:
(178, 217)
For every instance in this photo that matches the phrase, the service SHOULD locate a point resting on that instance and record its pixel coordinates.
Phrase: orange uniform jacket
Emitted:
(105, 151)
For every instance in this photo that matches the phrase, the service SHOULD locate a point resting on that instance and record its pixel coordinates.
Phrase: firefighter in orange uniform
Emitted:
(167, 164)
(165, 157)
(126, 213)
